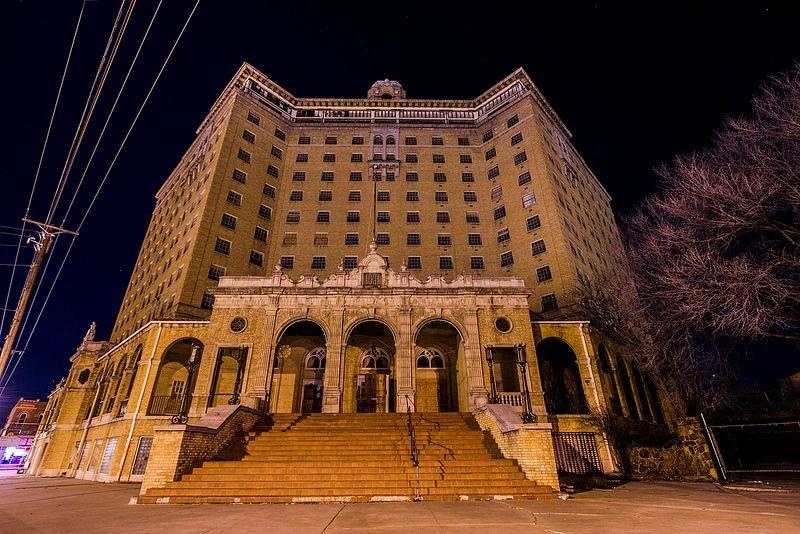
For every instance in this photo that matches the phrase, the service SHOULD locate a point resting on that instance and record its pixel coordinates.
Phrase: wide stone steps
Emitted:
(356, 458)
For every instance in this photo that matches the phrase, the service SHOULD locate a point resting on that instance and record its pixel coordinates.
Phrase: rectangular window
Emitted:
(287, 262)
(532, 223)
(321, 239)
(323, 216)
(280, 134)
(412, 216)
(354, 196)
(414, 262)
(411, 140)
(412, 196)
(268, 191)
(304, 140)
(411, 158)
(444, 240)
(476, 262)
(272, 170)
(538, 247)
(382, 239)
(463, 141)
(543, 274)
(465, 158)
(318, 262)
(299, 176)
(503, 235)
(216, 271)
(265, 212)
(520, 158)
(472, 217)
(549, 302)
(260, 234)
(470, 196)
(377, 156)
(383, 196)
(327, 176)
(445, 263)
(440, 196)
(474, 240)
(290, 239)
(492, 152)
(293, 217)
(437, 141)
(252, 117)
(355, 176)
(239, 176)
(249, 136)
(326, 195)
(356, 158)
(329, 158)
(512, 120)
(497, 192)
(357, 140)
(412, 177)
(439, 177)
(257, 258)
(331, 140)
(353, 216)
(277, 152)
(350, 262)
(516, 138)
(488, 135)
(234, 198)
(377, 176)
(228, 221)
(499, 212)
(467, 177)
(494, 172)
(413, 239)
(442, 217)
(390, 177)
(207, 302)
(506, 259)
(528, 199)
(438, 158)
(524, 178)
(302, 158)
(223, 246)
(383, 217)
(296, 196)
(351, 238)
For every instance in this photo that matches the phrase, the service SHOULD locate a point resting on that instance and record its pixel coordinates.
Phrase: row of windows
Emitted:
(413, 239)
(446, 263)
(326, 195)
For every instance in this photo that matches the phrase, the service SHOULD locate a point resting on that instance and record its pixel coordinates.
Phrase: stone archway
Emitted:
(298, 368)
(173, 382)
(561, 378)
(370, 360)
(440, 375)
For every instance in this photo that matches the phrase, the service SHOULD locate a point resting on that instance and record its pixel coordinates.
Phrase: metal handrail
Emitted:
(413, 449)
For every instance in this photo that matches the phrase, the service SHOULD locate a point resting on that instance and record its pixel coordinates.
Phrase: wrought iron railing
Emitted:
(412, 446)
(165, 405)
(565, 403)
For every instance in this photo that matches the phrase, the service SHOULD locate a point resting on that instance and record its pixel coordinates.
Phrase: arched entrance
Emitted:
(561, 378)
(173, 381)
(299, 369)
(370, 361)
(440, 375)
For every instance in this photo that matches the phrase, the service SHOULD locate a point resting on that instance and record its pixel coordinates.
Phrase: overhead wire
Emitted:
(4, 384)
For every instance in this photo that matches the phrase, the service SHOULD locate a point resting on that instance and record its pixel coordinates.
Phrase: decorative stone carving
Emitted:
(386, 90)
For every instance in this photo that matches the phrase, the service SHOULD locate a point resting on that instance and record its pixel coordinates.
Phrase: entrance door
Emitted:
(312, 397)
(372, 393)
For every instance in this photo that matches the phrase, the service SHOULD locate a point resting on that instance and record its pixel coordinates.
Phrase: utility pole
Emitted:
(42, 246)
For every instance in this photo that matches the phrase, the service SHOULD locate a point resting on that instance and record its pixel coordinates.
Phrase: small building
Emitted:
(19, 431)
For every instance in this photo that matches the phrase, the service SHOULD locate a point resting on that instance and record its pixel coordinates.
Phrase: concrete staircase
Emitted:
(356, 458)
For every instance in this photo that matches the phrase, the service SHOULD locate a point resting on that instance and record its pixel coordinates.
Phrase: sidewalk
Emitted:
(67, 505)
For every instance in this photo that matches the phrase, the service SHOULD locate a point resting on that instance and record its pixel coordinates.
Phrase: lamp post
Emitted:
(182, 417)
(527, 412)
(493, 398)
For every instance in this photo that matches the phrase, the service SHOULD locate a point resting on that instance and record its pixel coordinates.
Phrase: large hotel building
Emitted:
(378, 290)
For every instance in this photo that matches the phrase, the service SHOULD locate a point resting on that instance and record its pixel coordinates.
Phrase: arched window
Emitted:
(137, 356)
(390, 140)
(375, 358)
(430, 359)
(22, 417)
(377, 140)
(423, 362)
(316, 359)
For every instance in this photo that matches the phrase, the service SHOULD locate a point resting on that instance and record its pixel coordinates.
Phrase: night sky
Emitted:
(635, 85)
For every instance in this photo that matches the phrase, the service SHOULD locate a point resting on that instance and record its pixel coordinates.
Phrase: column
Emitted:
(404, 384)
(478, 396)
(259, 370)
(334, 350)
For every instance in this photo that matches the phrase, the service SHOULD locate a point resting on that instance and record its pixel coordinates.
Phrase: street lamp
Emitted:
(527, 411)
(182, 417)
(493, 397)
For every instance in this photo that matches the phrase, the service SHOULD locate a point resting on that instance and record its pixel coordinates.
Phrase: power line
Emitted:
(100, 187)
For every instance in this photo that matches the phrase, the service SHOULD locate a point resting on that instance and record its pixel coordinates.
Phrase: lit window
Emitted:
(528, 199)
(321, 239)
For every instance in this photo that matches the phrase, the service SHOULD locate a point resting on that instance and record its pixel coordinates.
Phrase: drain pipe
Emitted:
(139, 402)
(594, 388)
